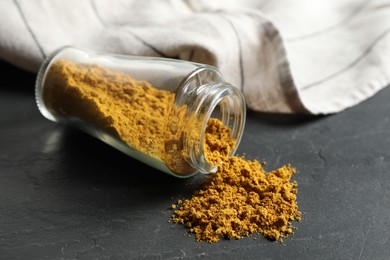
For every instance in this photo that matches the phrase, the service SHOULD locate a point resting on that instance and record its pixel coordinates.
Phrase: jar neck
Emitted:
(219, 100)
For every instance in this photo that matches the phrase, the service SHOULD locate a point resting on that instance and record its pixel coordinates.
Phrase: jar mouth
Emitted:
(227, 104)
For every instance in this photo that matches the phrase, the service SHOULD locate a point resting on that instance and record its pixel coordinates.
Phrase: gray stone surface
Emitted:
(66, 195)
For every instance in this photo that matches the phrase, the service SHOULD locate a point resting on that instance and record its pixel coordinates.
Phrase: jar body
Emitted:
(153, 109)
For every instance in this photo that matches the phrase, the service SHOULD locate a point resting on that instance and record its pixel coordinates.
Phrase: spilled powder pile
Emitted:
(240, 198)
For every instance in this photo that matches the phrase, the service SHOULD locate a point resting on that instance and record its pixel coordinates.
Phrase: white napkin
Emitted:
(301, 56)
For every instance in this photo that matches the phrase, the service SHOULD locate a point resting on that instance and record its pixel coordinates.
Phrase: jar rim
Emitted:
(229, 102)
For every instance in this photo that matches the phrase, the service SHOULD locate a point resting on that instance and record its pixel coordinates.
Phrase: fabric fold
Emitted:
(318, 57)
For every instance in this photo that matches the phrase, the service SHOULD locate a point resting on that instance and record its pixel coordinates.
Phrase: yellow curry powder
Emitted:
(238, 200)
(132, 110)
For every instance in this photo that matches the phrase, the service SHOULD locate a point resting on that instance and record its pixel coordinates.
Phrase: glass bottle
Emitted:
(153, 109)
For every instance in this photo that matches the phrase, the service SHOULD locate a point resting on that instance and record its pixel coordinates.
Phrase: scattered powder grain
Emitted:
(240, 198)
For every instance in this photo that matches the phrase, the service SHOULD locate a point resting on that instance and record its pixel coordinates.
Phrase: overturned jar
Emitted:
(155, 110)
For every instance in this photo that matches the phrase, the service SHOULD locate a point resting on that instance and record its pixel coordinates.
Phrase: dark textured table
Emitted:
(66, 195)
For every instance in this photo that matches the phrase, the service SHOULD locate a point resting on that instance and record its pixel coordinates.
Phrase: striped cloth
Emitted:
(301, 56)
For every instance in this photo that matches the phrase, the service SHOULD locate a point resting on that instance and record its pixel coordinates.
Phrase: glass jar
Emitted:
(154, 109)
